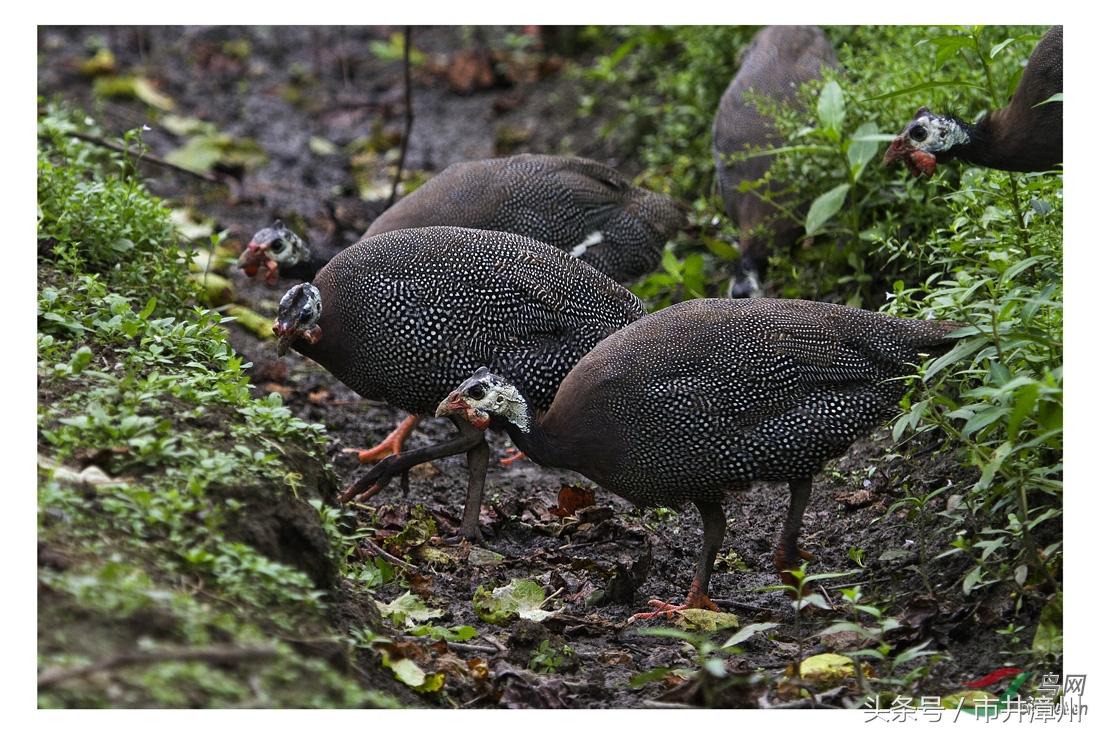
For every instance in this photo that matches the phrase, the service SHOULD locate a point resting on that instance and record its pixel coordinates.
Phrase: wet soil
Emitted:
(294, 84)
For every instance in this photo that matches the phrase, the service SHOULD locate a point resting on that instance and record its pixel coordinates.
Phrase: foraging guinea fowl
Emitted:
(1024, 136)
(708, 395)
(575, 204)
(586, 208)
(777, 61)
(404, 316)
(583, 207)
(278, 251)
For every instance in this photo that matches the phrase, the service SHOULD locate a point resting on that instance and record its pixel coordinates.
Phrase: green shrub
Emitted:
(164, 484)
(95, 215)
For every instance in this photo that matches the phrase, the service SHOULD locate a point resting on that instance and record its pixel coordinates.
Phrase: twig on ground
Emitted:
(742, 605)
(147, 157)
(461, 646)
(372, 546)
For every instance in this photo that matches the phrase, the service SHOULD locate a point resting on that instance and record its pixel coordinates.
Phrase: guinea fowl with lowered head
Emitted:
(709, 395)
(578, 205)
(581, 206)
(404, 316)
(1024, 136)
(278, 251)
(775, 64)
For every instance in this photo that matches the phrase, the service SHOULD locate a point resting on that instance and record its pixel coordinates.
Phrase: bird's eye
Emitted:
(918, 133)
(278, 246)
(476, 391)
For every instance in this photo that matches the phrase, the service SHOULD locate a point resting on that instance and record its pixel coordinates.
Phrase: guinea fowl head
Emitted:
(270, 248)
(299, 316)
(927, 137)
(485, 396)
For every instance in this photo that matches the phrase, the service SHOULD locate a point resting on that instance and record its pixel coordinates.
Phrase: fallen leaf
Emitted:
(102, 63)
(427, 470)
(479, 669)
(135, 87)
(615, 657)
(421, 584)
(827, 668)
(470, 70)
(856, 499)
(521, 598)
(484, 557)
(215, 289)
(705, 620)
(251, 320)
(322, 146)
(571, 499)
(409, 610)
(185, 126)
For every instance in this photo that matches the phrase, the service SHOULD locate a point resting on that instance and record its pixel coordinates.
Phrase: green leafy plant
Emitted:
(868, 625)
(708, 678)
(548, 659)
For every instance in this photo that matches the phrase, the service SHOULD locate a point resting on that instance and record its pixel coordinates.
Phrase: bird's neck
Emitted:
(315, 258)
(540, 445)
(989, 144)
(974, 143)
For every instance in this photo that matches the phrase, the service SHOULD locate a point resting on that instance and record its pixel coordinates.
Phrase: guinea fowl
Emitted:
(578, 205)
(575, 204)
(404, 316)
(277, 250)
(1024, 136)
(777, 61)
(708, 395)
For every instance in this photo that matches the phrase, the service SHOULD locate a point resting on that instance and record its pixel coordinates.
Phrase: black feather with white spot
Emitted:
(407, 315)
(581, 206)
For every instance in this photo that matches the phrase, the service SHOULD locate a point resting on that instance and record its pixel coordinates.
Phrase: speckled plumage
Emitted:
(559, 200)
(703, 397)
(710, 394)
(407, 314)
(777, 61)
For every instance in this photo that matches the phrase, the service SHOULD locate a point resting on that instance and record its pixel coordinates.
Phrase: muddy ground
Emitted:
(282, 87)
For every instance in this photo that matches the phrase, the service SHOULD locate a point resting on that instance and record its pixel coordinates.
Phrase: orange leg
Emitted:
(696, 599)
(390, 445)
(714, 529)
(513, 456)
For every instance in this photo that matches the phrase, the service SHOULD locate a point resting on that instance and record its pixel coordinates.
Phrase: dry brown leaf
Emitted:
(571, 499)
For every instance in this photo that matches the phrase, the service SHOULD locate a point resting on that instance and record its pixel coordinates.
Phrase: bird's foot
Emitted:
(372, 482)
(389, 446)
(696, 599)
(513, 456)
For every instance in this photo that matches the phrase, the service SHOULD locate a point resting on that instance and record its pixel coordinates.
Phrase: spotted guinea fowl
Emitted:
(708, 395)
(404, 316)
(278, 251)
(777, 61)
(1024, 136)
(581, 206)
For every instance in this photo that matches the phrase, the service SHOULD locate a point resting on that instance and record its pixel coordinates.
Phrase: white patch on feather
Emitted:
(593, 238)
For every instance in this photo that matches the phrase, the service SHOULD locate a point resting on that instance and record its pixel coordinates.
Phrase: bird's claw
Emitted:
(372, 482)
